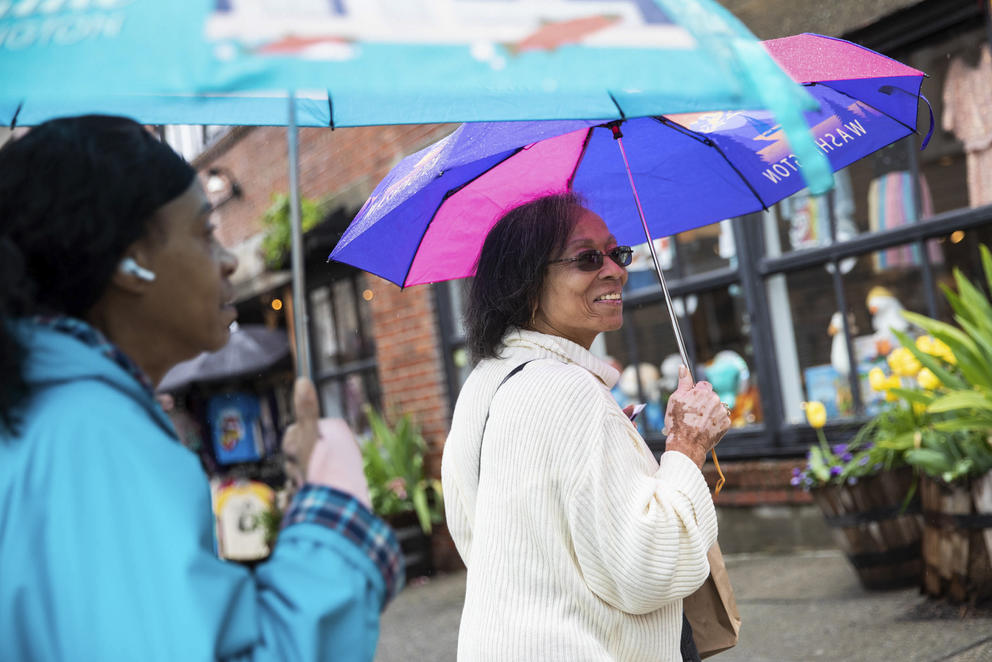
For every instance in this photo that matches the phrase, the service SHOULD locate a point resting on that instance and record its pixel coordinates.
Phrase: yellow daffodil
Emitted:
(926, 379)
(936, 347)
(816, 414)
(902, 362)
(941, 350)
(876, 378)
(919, 408)
(892, 382)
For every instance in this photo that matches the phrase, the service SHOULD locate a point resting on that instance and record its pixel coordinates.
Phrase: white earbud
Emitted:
(129, 266)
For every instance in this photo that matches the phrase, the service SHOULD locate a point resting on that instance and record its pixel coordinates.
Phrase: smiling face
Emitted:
(579, 305)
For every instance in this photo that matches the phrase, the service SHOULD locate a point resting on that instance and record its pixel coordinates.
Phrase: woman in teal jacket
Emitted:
(109, 276)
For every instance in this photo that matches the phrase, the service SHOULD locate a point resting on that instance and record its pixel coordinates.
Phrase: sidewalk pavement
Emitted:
(795, 607)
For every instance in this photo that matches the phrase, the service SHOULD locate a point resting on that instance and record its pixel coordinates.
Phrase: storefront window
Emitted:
(344, 350)
(325, 347)
(875, 194)
(694, 252)
(716, 329)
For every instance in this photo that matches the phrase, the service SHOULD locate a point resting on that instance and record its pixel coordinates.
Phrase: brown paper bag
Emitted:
(712, 610)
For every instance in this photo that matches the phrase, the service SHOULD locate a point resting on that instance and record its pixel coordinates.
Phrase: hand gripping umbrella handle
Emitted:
(680, 341)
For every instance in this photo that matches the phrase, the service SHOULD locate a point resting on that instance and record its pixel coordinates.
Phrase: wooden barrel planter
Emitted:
(416, 545)
(957, 539)
(880, 533)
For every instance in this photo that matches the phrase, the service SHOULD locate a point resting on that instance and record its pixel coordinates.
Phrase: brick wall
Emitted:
(330, 162)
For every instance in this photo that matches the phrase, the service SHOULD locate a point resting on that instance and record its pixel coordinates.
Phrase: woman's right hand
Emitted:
(322, 451)
(695, 420)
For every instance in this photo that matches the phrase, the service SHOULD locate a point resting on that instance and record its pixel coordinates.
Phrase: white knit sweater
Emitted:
(579, 546)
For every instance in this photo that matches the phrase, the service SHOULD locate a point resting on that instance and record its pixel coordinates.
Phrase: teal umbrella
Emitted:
(336, 63)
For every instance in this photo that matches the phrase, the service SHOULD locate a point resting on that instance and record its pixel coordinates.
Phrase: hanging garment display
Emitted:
(967, 100)
(891, 204)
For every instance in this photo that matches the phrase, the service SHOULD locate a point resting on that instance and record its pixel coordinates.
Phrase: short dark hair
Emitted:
(510, 272)
(75, 192)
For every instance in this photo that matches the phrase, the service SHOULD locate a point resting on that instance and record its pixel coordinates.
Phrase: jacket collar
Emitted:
(60, 350)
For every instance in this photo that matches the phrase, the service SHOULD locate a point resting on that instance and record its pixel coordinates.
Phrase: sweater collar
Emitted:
(563, 350)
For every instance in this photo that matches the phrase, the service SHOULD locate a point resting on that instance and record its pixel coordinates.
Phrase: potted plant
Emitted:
(275, 220)
(952, 446)
(400, 491)
(867, 495)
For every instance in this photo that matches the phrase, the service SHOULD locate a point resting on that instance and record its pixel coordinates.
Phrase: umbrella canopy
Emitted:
(378, 63)
(427, 219)
(251, 348)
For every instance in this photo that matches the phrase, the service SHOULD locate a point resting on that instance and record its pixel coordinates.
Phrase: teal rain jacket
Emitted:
(107, 547)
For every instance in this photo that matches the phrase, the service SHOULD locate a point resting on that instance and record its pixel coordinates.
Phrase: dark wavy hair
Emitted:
(74, 194)
(510, 272)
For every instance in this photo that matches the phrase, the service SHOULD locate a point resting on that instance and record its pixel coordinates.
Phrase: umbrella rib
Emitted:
(13, 120)
(582, 153)
(330, 110)
(709, 143)
(623, 115)
(447, 195)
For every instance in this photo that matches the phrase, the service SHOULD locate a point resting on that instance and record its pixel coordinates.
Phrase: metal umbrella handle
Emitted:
(618, 136)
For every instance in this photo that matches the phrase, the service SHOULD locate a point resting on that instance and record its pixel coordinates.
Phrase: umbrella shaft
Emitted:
(300, 324)
(657, 263)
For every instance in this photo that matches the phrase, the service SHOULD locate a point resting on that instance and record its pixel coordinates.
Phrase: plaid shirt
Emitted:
(343, 513)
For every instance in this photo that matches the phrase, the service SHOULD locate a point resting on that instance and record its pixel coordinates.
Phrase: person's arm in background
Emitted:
(114, 554)
(335, 497)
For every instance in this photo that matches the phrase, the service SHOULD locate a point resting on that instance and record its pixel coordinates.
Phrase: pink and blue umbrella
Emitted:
(426, 221)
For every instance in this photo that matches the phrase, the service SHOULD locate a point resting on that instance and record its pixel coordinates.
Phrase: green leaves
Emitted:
(393, 459)
(276, 243)
(951, 441)
(962, 400)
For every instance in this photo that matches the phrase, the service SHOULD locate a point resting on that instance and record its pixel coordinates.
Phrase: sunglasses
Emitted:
(593, 260)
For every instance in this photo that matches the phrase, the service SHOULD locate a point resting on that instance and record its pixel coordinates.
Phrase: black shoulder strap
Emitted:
(486, 422)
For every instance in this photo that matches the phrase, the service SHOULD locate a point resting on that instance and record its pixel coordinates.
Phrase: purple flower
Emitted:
(795, 472)
(839, 448)
(835, 471)
(795, 481)
(847, 457)
(863, 461)
(853, 480)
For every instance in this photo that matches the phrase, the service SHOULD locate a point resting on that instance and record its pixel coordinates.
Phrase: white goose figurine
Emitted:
(886, 317)
(839, 358)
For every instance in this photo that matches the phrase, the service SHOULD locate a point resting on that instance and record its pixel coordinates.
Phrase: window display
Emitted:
(341, 329)
(716, 328)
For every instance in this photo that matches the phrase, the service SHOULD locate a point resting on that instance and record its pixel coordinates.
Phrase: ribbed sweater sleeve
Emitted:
(640, 529)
